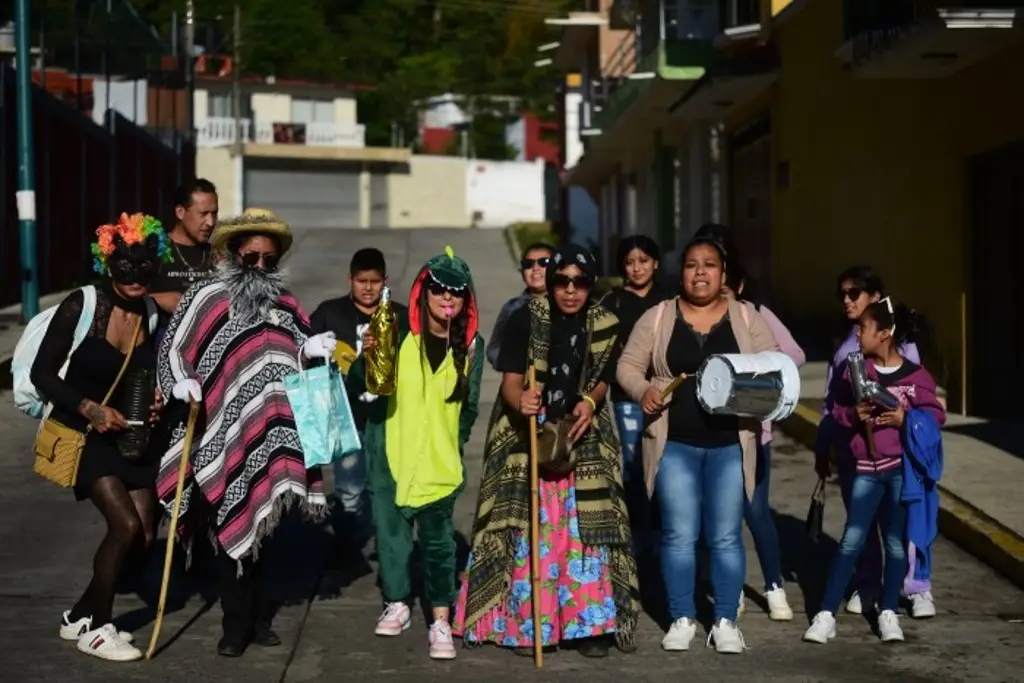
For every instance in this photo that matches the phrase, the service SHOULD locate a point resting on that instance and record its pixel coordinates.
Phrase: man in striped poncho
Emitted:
(232, 341)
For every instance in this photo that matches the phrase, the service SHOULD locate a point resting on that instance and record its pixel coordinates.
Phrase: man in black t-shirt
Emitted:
(195, 215)
(348, 317)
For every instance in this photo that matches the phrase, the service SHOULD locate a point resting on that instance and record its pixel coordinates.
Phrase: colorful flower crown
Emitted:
(135, 229)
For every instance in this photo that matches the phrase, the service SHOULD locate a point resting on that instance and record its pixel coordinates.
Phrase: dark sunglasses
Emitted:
(437, 289)
(132, 272)
(851, 293)
(529, 263)
(579, 282)
(251, 260)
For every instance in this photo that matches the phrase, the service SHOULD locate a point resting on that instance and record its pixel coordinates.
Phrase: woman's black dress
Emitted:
(92, 369)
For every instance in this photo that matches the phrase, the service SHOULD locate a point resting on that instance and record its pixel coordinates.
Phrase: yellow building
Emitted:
(884, 132)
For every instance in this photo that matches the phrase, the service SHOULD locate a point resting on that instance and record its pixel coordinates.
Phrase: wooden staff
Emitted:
(538, 631)
(186, 450)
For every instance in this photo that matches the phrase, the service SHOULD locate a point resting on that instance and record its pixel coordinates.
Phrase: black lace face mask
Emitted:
(132, 265)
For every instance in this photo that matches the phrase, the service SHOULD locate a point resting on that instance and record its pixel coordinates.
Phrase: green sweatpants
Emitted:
(394, 547)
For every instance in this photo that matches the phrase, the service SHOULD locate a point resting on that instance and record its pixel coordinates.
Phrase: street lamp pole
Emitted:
(190, 60)
(26, 195)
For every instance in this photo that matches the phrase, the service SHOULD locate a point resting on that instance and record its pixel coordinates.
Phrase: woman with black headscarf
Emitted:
(588, 577)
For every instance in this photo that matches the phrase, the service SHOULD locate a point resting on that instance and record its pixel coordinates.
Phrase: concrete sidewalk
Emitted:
(981, 508)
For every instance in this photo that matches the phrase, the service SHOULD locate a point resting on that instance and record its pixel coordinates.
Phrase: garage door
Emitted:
(306, 198)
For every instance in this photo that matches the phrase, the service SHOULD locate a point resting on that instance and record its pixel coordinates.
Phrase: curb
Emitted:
(966, 525)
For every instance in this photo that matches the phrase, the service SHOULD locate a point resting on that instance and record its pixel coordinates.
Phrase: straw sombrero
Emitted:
(252, 221)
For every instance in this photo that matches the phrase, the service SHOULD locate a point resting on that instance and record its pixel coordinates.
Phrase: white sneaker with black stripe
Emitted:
(74, 630)
(106, 643)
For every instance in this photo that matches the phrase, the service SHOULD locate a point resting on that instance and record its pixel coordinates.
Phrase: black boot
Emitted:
(264, 636)
(232, 645)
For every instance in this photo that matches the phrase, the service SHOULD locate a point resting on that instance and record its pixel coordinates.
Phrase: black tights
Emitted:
(130, 517)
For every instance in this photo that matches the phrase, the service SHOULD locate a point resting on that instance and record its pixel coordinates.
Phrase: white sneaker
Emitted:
(74, 631)
(727, 638)
(679, 636)
(822, 628)
(106, 643)
(889, 627)
(854, 604)
(778, 606)
(397, 617)
(741, 607)
(440, 638)
(922, 605)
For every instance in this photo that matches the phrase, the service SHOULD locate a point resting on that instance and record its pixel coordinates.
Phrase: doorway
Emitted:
(995, 339)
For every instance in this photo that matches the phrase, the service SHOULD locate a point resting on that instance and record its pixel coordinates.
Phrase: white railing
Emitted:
(219, 131)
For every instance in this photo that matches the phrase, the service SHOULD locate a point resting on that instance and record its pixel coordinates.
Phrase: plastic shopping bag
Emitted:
(323, 415)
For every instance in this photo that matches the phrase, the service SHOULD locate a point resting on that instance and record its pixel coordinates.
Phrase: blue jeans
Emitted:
(350, 489)
(868, 575)
(701, 488)
(629, 420)
(871, 495)
(758, 514)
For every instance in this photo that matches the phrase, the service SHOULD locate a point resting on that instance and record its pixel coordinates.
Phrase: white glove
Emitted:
(186, 390)
(320, 346)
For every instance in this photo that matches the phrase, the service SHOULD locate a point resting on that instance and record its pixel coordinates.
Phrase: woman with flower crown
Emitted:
(84, 385)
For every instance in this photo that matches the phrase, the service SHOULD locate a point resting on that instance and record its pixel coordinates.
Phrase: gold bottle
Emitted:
(381, 359)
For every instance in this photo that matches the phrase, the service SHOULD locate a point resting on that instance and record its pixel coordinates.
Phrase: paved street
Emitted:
(328, 611)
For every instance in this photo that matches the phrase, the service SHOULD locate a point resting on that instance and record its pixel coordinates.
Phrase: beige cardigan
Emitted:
(646, 349)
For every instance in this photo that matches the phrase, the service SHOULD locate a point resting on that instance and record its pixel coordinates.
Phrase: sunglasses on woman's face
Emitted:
(579, 282)
(851, 293)
(530, 263)
(251, 260)
(437, 289)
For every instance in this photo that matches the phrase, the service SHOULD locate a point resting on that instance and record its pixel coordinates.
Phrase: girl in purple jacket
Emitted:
(873, 435)
(858, 287)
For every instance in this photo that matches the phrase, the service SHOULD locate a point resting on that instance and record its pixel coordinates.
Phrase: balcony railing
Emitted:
(219, 131)
(872, 26)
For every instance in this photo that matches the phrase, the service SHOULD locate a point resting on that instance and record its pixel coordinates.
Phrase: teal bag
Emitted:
(323, 416)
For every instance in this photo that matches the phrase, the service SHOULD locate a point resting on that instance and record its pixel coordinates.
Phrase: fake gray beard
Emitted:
(253, 292)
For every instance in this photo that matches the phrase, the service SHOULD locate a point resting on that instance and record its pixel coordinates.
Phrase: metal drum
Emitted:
(765, 385)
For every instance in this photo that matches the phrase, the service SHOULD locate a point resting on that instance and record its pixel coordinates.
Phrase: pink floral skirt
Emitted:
(575, 589)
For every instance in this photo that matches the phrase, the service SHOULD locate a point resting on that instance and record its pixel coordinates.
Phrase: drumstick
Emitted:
(673, 386)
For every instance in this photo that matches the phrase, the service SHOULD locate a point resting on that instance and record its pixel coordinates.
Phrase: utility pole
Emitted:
(190, 62)
(236, 82)
(26, 194)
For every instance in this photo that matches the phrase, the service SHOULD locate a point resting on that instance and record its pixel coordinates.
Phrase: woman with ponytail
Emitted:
(414, 443)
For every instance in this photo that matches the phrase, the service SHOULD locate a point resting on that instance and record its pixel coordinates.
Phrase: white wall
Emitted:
(271, 108)
(573, 144)
(504, 192)
(345, 110)
(128, 98)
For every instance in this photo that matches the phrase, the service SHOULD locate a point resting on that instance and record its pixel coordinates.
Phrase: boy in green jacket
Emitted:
(415, 439)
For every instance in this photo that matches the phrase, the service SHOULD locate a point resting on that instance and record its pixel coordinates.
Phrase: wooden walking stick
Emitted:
(538, 631)
(186, 450)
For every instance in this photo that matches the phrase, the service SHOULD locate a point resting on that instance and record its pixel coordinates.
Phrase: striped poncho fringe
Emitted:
(246, 457)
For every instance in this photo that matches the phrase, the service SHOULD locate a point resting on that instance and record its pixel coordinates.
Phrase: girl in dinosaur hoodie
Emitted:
(414, 443)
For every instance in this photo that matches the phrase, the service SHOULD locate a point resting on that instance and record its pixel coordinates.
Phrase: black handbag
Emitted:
(137, 394)
(816, 513)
